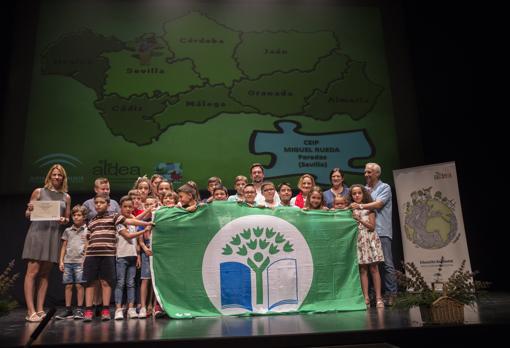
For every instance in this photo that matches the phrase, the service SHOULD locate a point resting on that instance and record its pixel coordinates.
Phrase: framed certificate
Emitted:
(45, 211)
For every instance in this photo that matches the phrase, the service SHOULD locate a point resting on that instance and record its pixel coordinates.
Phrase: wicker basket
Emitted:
(444, 310)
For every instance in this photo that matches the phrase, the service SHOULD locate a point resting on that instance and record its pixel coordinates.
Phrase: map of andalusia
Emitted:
(197, 69)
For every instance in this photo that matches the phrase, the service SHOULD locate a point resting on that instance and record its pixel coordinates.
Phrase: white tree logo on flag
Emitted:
(257, 263)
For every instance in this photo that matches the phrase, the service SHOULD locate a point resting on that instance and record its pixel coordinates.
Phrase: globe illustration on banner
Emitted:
(430, 220)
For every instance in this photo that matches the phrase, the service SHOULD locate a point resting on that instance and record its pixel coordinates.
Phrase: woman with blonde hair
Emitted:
(305, 184)
(42, 243)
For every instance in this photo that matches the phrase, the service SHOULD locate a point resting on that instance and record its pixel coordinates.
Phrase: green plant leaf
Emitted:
(227, 250)
(236, 240)
(257, 231)
(270, 233)
(242, 251)
(252, 244)
(279, 238)
(246, 234)
(263, 243)
(288, 247)
(273, 249)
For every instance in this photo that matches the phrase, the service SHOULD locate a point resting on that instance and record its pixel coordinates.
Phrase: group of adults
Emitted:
(42, 243)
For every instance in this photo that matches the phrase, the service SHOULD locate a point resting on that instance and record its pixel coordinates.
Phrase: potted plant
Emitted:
(440, 302)
(6, 282)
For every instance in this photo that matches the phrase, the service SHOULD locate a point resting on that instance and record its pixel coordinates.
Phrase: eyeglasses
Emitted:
(268, 189)
(249, 192)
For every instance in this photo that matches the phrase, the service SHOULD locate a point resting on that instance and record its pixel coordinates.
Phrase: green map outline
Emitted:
(175, 98)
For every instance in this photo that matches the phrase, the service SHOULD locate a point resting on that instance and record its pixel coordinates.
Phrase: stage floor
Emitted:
(395, 327)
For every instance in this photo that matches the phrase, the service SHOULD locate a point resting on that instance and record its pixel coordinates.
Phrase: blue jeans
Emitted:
(386, 268)
(126, 271)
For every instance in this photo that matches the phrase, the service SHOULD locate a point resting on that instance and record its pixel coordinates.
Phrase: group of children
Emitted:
(109, 242)
(99, 254)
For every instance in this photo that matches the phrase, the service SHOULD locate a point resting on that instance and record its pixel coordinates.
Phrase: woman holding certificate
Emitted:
(49, 210)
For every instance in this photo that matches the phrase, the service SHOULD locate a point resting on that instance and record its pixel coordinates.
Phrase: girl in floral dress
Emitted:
(369, 246)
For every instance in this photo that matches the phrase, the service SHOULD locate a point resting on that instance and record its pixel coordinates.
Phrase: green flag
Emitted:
(227, 259)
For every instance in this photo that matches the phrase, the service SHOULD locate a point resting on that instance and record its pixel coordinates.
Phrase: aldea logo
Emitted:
(60, 158)
(107, 168)
(257, 263)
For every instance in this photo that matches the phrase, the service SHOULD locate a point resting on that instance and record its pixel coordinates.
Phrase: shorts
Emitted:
(73, 273)
(146, 267)
(100, 267)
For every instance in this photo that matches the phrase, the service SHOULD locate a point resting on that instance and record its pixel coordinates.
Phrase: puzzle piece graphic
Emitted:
(295, 153)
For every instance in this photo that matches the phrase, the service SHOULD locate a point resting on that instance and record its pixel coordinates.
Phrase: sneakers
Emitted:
(66, 314)
(105, 314)
(119, 314)
(158, 311)
(88, 315)
(131, 313)
(78, 314)
(143, 313)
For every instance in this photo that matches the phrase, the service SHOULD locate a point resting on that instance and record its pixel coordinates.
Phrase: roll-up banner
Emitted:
(431, 219)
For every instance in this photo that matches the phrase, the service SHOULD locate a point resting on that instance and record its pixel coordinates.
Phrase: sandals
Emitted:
(379, 303)
(33, 318)
(367, 302)
(41, 314)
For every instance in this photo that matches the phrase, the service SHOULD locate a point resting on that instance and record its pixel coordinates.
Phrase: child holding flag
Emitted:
(369, 245)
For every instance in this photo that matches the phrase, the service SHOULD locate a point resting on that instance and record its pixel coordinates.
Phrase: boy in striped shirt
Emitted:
(101, 251)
